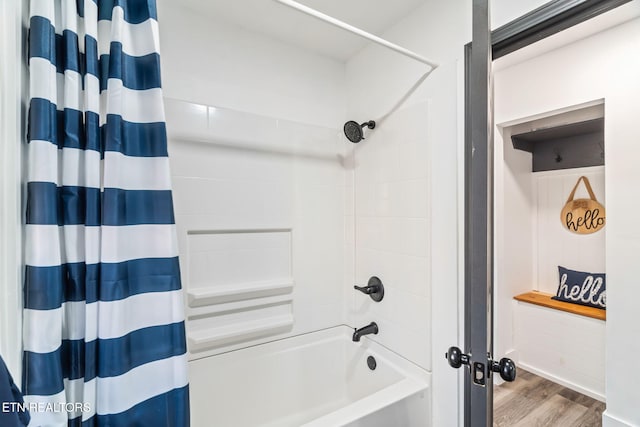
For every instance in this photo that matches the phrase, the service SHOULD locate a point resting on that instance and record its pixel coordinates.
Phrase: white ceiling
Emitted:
(280, 22)
(285, 24)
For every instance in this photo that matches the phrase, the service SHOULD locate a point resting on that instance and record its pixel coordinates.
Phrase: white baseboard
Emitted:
(609, 420)
(563, 382)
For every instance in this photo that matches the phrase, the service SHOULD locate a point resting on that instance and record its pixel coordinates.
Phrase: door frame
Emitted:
(487, 46)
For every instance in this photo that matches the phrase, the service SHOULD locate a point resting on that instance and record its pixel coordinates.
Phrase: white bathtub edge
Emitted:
(370, 404)
(398, 389)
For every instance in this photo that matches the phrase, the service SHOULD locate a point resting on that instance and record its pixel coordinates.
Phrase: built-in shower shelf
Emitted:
(241, 331)
(237, 306)
(198, 297)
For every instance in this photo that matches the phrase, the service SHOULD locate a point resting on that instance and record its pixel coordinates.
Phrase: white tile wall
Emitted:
(260, 206)
(353, 211)
(406, 197)
(392, 232)
(218, 259)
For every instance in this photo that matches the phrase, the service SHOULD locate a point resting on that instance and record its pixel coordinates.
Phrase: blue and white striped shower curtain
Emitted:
(104, 339)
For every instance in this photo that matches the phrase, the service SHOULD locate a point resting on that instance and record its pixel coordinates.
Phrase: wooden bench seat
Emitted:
(543, 299)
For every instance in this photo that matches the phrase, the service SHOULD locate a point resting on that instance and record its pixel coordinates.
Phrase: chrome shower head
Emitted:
(354, 131)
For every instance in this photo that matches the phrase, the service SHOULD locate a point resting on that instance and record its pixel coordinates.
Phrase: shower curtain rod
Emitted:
(357, 31)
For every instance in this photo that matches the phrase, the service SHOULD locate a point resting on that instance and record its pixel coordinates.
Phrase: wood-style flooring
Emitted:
(532, 401)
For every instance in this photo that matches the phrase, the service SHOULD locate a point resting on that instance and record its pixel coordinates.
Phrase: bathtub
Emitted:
(312, 380)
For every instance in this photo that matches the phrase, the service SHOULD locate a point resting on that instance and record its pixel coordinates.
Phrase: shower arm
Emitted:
(357, 31)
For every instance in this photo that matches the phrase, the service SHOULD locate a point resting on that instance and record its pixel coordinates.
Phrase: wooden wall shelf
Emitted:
(543, 299)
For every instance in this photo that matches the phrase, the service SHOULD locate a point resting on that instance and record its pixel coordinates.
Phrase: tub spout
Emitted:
(371, 328)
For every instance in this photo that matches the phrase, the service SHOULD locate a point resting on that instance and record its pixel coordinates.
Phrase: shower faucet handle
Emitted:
(374, 289)
(366, 289)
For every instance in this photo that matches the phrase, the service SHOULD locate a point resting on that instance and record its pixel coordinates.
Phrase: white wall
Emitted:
(604, 66)
(514, 231)
(407, 185)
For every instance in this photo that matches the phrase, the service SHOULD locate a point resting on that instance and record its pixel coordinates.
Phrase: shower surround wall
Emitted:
(259, 207)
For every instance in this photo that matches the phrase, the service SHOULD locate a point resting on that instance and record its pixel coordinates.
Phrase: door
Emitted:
(478, 250)
(476, 358)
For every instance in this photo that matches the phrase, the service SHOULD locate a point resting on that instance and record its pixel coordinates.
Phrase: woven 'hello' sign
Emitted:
(583, 216)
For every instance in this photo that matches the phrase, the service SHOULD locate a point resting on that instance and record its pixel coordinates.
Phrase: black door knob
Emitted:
(506, 367)
(456, 357)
